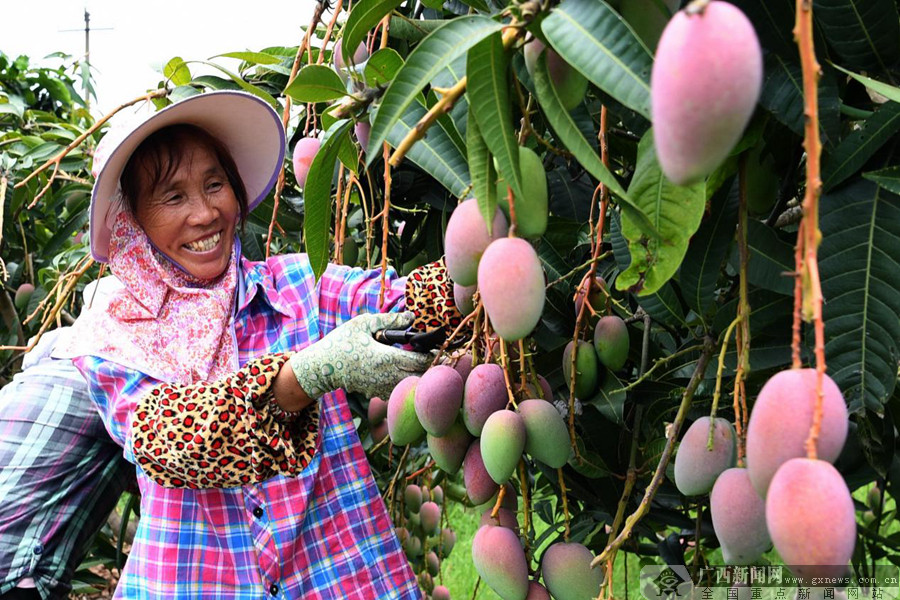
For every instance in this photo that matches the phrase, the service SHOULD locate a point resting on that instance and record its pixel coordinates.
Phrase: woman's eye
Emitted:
(215, 186)
(174, 199)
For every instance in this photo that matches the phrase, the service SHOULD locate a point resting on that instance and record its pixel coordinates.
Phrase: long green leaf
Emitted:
(316, 83)
(859, 261)
(488, 88)
(864, 33)
(404, 28)
(782, 95)
(364, 16)
(610, 399)
(771, 259)
(431, 55)
(259, 58)
(708, 249)
(888, 91)
(888, 178)
(481, 169)
(317, 197)
(675, 211)
(244, 85)
(594, 39)
(177, 71)
(382, 66)
(436, 153)
(858, 147)
(570, 135)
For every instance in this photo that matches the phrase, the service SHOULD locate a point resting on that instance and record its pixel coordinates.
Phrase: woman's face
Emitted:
(192, 215)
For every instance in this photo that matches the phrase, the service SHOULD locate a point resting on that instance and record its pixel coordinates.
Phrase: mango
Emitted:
(437, 494)
(379, 432)
(511, 282)
(447, 542)
(570, 84)
(567, 572)
(485, 392)
(531, 208)
(431, 518)
(362, 129)
(412, 497)
(23, 295)
(502, 443)
(739, 518)
(546, 434)
(780, 420)
(304, 152)
(466, 239)
(403, 424)
(500, 561)
(697, 467)
(587, 374)
(479, 485)
(464, 366)
(440, 593)
(462, 298)
(537, 592)
(413, 547)
(449, 450)
(360, 56)
(704, 86)
(810, 516)
(376, 411)
(432, 563)
(439, 395)
(611, 342)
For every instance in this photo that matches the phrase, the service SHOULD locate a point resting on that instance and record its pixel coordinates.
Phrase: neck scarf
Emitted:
(164, 323)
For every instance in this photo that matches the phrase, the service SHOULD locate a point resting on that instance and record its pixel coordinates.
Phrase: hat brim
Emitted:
(247, 125)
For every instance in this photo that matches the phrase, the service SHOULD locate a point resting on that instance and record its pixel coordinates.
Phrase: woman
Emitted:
(220, 377)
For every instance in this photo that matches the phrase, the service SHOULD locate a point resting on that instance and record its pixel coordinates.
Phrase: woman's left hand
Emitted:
(350, 358)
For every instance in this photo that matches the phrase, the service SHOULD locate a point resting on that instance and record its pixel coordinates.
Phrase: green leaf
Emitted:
(570, 135)
(316, 83)
(859, 262)
(257, 58)
(858, 147)
(771, 259)
(594, 39)
(382, 67)
(403, 28)
(481, 168)
(888, 91)
(364, 16)
(435, 153)
(244, 85)
(888, 178)
(431, 55)
(317, 197)
(488, 89)
(782, 95)
(675, 211)
(177, 71)
(863, 33)
(610, 399)
(707, 251)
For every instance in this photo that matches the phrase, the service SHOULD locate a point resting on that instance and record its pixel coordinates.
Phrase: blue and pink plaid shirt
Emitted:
(323, 535)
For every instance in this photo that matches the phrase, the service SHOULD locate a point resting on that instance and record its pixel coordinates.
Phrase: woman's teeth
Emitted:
(204, 245)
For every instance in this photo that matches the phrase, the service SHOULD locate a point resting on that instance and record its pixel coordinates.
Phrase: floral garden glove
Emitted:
(350, 358)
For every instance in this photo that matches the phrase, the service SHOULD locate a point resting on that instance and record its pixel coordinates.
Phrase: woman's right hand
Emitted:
(350, 358)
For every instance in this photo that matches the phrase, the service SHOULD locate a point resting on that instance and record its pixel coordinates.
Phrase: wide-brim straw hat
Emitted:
(246, 124)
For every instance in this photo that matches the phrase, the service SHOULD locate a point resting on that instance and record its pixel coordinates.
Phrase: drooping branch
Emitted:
(660, 473)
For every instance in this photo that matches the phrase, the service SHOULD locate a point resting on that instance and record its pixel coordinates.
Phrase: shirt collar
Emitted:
(256, 276)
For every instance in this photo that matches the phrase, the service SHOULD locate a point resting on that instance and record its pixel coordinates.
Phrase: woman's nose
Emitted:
(203, 209)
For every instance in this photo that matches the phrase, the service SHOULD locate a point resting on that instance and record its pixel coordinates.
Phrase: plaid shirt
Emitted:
(60, 474)
(323, 535)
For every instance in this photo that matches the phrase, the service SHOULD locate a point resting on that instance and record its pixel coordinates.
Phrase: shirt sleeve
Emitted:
(346, 292)
(221, 434)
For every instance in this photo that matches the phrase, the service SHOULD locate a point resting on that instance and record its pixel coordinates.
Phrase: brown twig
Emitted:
(286, 113)
(507, 377)
(57, 158)
(809, 233)
(742, 334)
(660, 472)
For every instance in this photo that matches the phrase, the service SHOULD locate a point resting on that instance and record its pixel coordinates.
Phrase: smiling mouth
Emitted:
(204, 244)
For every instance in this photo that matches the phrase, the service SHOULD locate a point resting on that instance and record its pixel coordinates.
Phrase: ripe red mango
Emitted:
(466, 239)
(500, 560)
(511, 282)
(304, 152)
(739, 518)
(704, 86)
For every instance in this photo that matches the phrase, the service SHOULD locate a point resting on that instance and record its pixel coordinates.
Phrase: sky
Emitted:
(131, 41)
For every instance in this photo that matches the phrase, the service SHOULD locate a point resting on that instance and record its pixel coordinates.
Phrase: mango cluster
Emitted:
(608, 351)
(782, 497)
(424, 541)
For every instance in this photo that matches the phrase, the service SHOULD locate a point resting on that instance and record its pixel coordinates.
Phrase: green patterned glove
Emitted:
(350, 358)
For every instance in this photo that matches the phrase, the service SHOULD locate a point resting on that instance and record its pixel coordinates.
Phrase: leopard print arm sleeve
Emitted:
(429, 295)
(222, 434)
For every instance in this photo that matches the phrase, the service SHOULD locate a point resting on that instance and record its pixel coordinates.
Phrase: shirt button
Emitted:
(273, 590)
(258, 513)
(38, 549)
